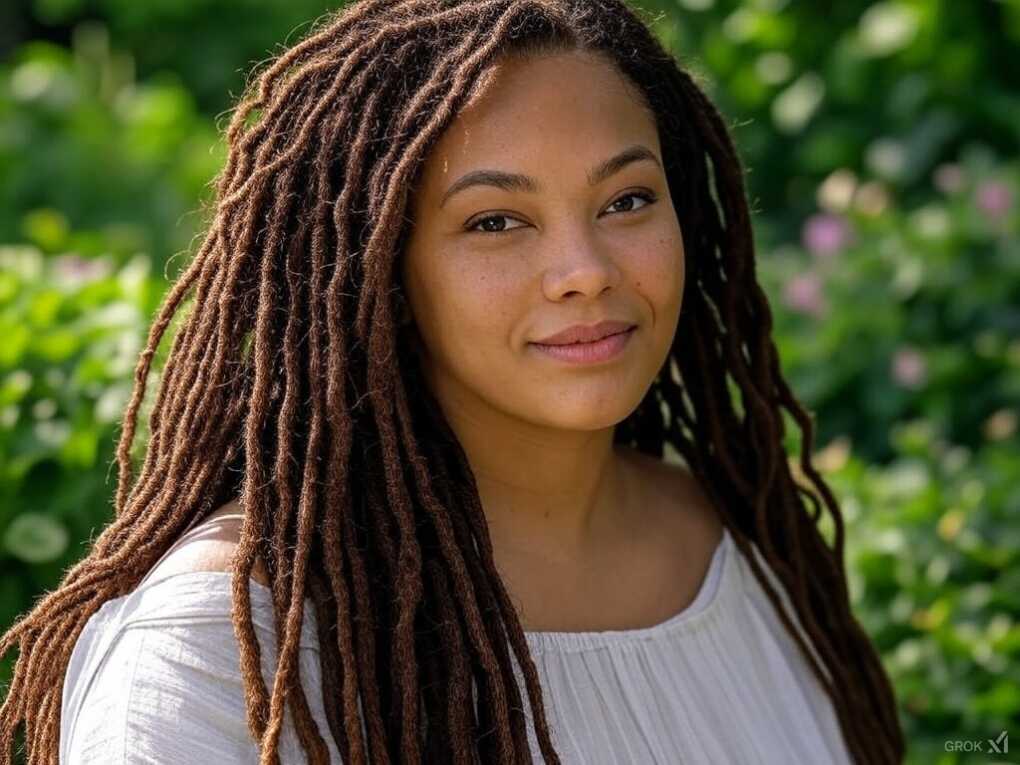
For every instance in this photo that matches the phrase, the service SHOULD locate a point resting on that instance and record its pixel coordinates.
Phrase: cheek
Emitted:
(476, 310)
(657, 272)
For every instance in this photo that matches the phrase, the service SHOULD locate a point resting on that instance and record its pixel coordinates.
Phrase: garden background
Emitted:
(881, 145)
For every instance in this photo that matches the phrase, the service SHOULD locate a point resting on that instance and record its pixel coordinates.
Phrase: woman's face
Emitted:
(490, 269)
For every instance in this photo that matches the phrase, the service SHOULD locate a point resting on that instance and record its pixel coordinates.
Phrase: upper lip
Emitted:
(586, 333)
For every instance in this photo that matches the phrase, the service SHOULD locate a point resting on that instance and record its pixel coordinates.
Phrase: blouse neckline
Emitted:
(716, 588)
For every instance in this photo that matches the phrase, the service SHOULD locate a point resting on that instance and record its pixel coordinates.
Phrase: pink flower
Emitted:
(994, 199)
(825, 234)
(909, 369)
(74, 269)
(803, 293)
(948, 178)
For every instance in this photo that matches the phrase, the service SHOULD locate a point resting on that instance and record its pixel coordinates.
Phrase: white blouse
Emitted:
(155, 678)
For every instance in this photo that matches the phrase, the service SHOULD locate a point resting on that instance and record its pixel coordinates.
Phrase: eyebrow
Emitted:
(518, 182)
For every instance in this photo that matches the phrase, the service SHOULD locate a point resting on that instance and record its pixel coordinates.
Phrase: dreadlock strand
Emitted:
(124, 516)
(710, 374)
(338, 467)
(49, 709)
(463, 584)
(307, 502)
(340, 26)
(69, 597)
(737, 219)
(880, 691)
(458, 693)
(223, 317)
(142, 368)
(144, 487)
(452, 700)
(253, 493)
(407, 583)
(758, 505)
(476, 518)
(283, 601)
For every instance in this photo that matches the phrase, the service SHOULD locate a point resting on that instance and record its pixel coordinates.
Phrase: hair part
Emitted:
(291, 354)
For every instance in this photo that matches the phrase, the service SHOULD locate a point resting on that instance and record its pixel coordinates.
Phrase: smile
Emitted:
(596, 352)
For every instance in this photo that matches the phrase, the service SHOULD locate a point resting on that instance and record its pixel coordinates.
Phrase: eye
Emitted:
(472, 226)
(646, 196)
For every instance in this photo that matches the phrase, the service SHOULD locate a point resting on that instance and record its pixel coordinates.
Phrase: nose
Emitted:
(584, 267)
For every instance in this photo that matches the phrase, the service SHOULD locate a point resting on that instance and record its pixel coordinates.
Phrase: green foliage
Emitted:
(892, 312)
(886, 217)
(72, 329)
(935, 554)
(887, 89)
(94, 162)
(900, 329)
(209, 44)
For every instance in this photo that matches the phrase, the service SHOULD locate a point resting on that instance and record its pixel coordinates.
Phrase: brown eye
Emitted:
(645, 196)
(472, 226)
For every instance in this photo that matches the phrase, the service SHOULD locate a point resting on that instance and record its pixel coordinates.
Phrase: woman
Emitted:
(474, 268)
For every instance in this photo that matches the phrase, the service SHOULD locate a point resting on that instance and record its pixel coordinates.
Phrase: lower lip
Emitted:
(606, 349)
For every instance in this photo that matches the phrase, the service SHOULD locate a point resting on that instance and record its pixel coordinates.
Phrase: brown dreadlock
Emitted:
(291, 355)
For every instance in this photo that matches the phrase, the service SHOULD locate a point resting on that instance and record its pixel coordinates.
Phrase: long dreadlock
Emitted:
(291, 355)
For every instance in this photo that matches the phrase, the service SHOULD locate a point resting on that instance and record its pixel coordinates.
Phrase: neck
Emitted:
(554, 495)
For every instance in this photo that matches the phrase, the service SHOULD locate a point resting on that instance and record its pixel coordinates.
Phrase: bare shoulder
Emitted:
(677, 497)
(209, 546)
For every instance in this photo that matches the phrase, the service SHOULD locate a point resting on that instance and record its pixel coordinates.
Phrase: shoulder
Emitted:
(174, 691)
(142, 680)
(676, 498)
(167, 659)
(210, 546)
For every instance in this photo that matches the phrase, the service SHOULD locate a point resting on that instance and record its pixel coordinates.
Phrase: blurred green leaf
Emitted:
(35, 538)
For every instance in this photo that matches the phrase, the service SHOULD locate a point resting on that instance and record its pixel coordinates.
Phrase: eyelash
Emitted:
(471, 227)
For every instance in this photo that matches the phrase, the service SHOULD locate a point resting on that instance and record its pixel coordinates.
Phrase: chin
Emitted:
(585, 414)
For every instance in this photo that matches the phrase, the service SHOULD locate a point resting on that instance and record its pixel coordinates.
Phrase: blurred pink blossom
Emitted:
(909, 369)
(75, 269)
(948, 178)
(825, 234)
(804, 294)
(994, 198)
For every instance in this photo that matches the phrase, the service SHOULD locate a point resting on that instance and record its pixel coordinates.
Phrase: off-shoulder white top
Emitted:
(154, 678)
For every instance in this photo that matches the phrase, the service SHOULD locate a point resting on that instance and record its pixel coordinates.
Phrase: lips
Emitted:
(580, 333)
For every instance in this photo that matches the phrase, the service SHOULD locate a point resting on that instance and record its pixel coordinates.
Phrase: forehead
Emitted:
(571, 106)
